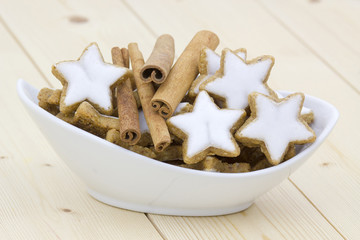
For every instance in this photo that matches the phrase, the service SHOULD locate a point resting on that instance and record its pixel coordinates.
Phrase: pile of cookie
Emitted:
(205, 112)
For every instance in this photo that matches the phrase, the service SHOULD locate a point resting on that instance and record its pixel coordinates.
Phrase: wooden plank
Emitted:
(62, 30)
(247, 24)
(336, 196)
(249, 224)
(282, 213)
(183, 20)
(298, 213)
(331, 29)
(40, 197)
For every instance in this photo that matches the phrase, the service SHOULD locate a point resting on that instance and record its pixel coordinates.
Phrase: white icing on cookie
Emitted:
(304, 110)
(207, 126)
(213, 64)
(241, 53)
(90, 78)
(213, 61)
(277, 124)
(180, 107)
(142, 122)
(238, 79)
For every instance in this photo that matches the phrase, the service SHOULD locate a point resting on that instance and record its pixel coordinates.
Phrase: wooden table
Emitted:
(316, 45)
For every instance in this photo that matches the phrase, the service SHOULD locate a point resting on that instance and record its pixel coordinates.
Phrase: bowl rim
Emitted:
(25, 89)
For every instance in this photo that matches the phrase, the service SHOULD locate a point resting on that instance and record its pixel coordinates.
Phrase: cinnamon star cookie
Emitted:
(89, 78)
(237, 78)
(209, 63)
(207, 130)
(275, 124)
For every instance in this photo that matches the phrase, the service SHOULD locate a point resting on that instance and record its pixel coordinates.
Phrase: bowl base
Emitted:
(166, 210)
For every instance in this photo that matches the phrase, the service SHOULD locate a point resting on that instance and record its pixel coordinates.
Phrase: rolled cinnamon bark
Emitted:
(125, 56)
(126, 60)
(185, 70)
(117, 57)
(158, 66)
(127, 108)
(157, 125)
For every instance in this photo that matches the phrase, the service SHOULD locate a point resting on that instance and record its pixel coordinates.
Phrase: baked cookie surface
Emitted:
(207, 129)
(88, 78)
(209, 63)
(237, 78)
(275, 124)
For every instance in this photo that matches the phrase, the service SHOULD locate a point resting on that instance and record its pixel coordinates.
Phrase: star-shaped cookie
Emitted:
(207, 130)
(237, 78)
(209, 63)
(306, 113)
(89, 78)
(275, 124)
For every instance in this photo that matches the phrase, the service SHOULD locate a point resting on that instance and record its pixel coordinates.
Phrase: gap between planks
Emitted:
(21, 46)
(306, 45)
(272, 222)
(155, 226)
(2, 21)
(142, 21)
(151, 31)
(317, 209)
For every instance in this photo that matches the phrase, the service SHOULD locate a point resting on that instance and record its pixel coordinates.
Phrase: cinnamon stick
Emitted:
(127, 109)
(158, 66)
(185, 70)
(125, 54)
(157, 125)
(117, 57)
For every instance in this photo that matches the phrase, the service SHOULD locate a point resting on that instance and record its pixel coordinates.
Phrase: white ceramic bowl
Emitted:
(128, 180)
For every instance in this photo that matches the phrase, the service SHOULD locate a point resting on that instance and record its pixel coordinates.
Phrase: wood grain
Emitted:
(40, 197)
(296, 68)
(330, 29)
(316, 48)
(51, 36)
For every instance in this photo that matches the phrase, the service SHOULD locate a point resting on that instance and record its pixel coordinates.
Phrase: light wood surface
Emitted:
(317, 51)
